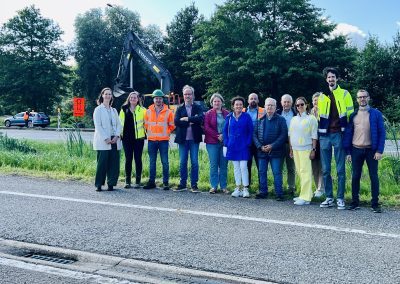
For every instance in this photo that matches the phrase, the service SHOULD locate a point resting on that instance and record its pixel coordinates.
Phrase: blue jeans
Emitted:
(189, 146)
(218, 165)
(326, 143)
(153, 147)
(358, 156)
(276, 171)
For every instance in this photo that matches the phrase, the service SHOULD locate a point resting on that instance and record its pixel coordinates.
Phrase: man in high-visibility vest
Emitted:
(159, 123)
(334, 109)
(26, 118)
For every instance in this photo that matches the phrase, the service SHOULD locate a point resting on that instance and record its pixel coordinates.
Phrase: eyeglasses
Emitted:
(362, 97)
(298, 105)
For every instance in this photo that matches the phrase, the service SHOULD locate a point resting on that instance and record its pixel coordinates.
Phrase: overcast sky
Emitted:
(356, 17)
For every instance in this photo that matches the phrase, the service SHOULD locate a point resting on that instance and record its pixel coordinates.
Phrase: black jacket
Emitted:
(181, 126)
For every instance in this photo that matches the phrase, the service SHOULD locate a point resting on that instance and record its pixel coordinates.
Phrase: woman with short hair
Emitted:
(238, 135)
(214, 122)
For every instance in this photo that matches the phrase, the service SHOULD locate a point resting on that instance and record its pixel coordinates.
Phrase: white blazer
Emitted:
(103, 127)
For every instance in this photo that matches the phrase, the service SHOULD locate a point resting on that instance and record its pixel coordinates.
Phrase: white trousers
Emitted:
(241, 173)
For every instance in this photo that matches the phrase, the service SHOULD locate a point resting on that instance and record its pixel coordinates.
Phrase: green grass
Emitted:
(64, 161)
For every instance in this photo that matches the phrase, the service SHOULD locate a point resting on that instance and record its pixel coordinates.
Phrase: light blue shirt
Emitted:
(253, 114)
(287, 116)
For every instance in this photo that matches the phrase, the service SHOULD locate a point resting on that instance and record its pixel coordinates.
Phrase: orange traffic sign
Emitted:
(79, 106)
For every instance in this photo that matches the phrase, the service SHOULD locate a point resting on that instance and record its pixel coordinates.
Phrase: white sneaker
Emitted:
(237, 193)
(300, 201)
(340, 204)
(327, 203)
(318, 193)
(296, 198)
(246, 193)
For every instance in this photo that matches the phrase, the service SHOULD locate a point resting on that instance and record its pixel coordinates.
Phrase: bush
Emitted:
(12, 144)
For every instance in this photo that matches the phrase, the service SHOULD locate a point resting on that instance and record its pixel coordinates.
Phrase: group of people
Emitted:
(302, 138)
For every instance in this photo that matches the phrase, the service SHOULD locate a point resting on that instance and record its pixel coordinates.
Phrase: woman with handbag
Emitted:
(303, 135)
(238, 136)
(214, 122)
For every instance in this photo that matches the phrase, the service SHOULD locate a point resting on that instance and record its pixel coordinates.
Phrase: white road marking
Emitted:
(209, 214)
(61, 272)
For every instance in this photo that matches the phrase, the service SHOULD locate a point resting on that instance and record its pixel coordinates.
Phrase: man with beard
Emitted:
(364, 140)
(335, 108)
(255, 113)
(159, 123)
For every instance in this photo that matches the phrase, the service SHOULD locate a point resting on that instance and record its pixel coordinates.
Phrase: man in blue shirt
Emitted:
(288, 112)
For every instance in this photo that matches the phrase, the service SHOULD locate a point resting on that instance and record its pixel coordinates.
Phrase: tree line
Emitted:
(270, 47)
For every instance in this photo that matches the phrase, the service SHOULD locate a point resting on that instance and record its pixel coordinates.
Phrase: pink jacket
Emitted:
(210, 126)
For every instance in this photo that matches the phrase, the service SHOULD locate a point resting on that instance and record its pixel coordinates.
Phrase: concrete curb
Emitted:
(112, 266)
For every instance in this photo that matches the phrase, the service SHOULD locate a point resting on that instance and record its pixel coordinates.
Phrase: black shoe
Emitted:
(261, 195)
(180, 188)
(149, 185)
(279, 198)
(98, 188)
(166, 186)
(128, 185)
(195, 189)
(353, 207)
(376, 209)
(110, 188)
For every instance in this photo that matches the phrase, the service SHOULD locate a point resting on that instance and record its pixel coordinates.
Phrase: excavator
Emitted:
(124, 80)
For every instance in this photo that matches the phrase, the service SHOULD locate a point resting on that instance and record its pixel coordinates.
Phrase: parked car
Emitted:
(35, 119)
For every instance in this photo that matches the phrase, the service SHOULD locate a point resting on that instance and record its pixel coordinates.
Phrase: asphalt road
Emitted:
(262, 239)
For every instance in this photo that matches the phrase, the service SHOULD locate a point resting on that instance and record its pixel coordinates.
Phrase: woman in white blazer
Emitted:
(106, 140)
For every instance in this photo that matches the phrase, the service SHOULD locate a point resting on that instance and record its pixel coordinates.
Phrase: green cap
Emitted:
(158, 93)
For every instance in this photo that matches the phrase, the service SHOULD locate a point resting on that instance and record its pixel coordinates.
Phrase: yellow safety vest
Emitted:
(139, 121)
(344, 104)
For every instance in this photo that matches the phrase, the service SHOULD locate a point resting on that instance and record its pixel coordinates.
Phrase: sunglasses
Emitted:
(301, 104)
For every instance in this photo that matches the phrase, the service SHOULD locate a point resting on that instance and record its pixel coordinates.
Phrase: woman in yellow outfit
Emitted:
(303, 135)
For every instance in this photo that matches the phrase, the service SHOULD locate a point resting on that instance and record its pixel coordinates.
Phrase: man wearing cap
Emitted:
(159, 123)
(188, 135)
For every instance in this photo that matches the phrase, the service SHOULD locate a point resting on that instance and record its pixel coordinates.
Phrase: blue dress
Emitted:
(238, 135)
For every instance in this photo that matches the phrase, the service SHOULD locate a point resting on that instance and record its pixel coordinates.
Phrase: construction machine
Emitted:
(124, 81)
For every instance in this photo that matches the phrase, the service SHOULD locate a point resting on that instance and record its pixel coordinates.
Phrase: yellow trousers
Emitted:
(304, 170)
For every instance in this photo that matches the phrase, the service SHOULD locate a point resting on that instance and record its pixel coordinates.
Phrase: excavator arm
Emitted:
(133, 44)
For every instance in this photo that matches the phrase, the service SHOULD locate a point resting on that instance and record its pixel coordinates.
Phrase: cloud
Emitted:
(398, 23)
(354, 34)
(63, 12)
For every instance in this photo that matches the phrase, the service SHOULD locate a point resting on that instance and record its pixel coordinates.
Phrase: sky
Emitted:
(356, 18)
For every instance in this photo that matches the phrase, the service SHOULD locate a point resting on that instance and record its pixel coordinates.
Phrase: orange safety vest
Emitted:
(159, 126)
(260, 112)
(26, 116)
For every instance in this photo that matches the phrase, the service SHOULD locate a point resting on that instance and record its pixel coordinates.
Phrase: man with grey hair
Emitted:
(255, 113)
(269, 137)
(188, 135)
(288, 112)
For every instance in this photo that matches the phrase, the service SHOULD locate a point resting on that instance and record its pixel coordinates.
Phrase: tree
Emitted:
(268, 46)
(99, 41)
(179, 45)
(372, 71)
(32, 73)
